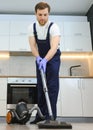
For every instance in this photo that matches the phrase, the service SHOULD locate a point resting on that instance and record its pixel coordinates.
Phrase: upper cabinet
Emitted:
(19, 36)
(4, 35)
(77, 44)
(77, 36)
(61, 27)
(76, 29)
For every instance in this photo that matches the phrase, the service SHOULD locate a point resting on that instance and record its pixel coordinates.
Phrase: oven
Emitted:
(21, 89)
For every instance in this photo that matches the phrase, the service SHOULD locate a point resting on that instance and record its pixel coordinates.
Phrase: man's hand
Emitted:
(42, 64)
(38, 59)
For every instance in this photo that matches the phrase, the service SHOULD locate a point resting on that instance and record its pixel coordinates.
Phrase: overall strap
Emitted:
(49, 28)
(34, 29)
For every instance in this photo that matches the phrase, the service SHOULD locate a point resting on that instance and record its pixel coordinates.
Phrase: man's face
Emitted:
(42, 16)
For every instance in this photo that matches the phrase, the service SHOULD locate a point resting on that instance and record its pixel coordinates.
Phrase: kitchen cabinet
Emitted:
(77, 36)
(76, 96)
(59, 106)
(87, 96)
(4, 35)
(19, 36)
(78, 43)
(76, 29)
(61, 27)
(70, 97)
(3, 96)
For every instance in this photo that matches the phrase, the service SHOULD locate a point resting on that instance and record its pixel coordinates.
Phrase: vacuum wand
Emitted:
(46, 94)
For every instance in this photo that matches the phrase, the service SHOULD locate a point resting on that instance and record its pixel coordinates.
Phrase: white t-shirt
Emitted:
(42, 30)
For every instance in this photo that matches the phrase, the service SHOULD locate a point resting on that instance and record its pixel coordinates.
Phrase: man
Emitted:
(44, 38)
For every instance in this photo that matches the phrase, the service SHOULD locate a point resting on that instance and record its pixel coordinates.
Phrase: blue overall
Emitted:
(52, 75)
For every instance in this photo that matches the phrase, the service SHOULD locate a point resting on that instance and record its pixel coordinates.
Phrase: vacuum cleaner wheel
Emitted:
(10, 117)
(54, 125)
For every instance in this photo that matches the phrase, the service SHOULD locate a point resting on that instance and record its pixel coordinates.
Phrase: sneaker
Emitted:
(36, 121)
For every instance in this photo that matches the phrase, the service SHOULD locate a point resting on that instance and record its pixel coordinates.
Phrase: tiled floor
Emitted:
(75, 126)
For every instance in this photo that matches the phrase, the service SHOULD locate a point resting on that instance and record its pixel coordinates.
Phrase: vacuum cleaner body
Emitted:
(19, 115)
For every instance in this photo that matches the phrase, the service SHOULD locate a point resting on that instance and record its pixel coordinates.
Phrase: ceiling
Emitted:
(63, 7)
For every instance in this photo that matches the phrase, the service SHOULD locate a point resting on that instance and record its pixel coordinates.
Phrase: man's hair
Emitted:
(42, 5)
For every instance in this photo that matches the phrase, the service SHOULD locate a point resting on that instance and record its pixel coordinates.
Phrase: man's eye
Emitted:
(40, 14)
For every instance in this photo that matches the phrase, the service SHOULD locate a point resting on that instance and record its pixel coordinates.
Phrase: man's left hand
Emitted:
(42, 64)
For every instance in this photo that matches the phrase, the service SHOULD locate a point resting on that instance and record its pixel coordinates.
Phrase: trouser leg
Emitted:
(53, 84)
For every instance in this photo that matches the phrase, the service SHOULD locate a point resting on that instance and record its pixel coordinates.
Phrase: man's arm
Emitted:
(55, 40)
(33, 46)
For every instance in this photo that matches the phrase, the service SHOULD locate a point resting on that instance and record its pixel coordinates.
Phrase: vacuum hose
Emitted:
(38, 111)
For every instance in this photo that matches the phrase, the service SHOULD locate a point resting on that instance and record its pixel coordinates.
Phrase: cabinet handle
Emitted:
(22, 49)
(22, 33)
(83, 85)
(79, 86)
(79, 49)
(78, 34)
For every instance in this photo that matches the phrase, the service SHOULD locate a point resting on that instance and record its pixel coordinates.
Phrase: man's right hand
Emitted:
(38, 59)
(43, 64)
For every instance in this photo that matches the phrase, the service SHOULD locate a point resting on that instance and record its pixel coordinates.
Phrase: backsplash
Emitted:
(4, 67)
(18, 65)
(66, 65)
(25, 66)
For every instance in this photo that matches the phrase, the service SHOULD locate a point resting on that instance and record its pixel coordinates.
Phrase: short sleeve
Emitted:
(54, 30)
(30, 30)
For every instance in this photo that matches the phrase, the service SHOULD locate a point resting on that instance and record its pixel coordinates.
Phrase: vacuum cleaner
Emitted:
(22, 115)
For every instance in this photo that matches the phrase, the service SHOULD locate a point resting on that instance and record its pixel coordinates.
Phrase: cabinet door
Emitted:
(87, 97)
(19, 27)
(77, 36)
(78, 43)
(59, 106)
(4, 42)
(61, 27)
(71, 97)
(3, 88)
(19, 43)
(3, 96)
(19, 36)
(60, 24)
(4, 27)
(4, 35)
(76, 29)
(3, 108)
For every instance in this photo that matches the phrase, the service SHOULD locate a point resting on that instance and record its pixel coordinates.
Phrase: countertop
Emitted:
(15, 76)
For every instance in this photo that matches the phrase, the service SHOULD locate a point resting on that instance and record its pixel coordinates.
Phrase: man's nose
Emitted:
(42, 17)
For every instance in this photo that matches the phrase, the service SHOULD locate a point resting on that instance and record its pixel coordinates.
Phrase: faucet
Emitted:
(72, 68)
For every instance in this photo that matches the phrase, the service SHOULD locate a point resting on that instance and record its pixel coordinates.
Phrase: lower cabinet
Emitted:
(87, 97)
(76, 96)
(3, 96)
(3, 110)
(59, 110)
(71, 103)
